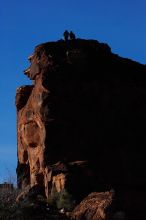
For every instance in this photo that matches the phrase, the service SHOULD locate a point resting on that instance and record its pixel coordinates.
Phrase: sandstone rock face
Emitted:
(86, 104)
(73, 177)
(96, 206)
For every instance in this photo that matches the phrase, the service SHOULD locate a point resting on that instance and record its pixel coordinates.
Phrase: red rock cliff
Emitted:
(86, 104)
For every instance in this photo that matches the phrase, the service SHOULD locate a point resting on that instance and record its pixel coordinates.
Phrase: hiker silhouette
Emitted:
(66, 35)
(72, 36)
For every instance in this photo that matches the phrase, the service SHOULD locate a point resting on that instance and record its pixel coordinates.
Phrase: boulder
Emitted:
(96, 206)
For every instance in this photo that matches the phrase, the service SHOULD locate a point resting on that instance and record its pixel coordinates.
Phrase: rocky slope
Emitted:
(86, 104)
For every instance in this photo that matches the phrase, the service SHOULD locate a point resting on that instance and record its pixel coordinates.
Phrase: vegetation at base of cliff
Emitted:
(61, 200)
(8, 203)
(37, 209)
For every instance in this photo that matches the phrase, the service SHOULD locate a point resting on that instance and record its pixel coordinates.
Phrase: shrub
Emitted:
(54, 196)
(61, 200)
(65, 201)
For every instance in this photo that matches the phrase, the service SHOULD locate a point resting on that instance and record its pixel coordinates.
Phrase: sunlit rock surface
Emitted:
(96, 206)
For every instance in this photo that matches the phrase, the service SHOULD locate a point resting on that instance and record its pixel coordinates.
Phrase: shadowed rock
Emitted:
(86, 104)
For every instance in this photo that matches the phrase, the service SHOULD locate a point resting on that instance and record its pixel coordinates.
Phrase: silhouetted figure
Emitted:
(72, 35)
(66, 35)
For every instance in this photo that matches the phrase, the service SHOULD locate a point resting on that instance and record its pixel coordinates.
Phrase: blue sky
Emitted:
(24, 24)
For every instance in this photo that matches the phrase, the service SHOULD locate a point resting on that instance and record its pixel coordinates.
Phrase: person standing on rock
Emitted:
(66, 35)
(72, 35)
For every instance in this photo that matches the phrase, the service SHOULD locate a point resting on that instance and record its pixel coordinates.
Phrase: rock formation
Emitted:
(96, 206)
(85, 104)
